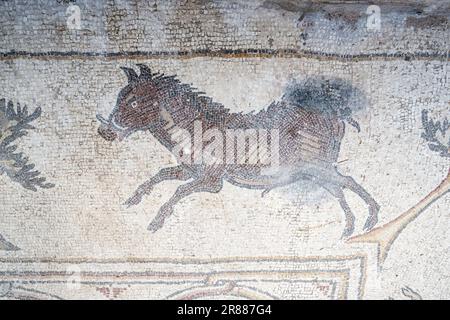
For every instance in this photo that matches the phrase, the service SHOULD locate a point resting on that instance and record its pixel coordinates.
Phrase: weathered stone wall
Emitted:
(243, 54)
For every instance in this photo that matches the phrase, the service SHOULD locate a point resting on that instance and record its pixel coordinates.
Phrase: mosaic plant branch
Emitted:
(14, 124)
(435, 133)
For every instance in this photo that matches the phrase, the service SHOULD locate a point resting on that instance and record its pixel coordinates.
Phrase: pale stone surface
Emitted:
(80, 227)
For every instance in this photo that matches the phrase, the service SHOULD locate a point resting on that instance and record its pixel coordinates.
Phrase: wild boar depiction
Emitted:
(309, 122)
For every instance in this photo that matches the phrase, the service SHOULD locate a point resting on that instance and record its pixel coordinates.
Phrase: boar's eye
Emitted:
(133, 103)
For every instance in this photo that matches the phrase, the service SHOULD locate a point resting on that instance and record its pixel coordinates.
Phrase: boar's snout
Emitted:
(107, 133)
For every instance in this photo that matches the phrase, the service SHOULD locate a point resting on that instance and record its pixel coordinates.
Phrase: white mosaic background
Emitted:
(82, 217)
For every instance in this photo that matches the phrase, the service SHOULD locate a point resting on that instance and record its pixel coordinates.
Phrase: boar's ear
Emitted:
(131, 74)
(145, 71)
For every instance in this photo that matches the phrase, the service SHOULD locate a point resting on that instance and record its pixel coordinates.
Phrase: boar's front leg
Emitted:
(201, 184)
(172, 173)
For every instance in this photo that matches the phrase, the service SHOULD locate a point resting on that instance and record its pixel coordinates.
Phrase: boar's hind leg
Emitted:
(202, 184)
(349, 217)
(349, 183)
(172, 173)
(328, 176)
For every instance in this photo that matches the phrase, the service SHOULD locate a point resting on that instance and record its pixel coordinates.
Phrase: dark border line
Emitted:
(225, 53)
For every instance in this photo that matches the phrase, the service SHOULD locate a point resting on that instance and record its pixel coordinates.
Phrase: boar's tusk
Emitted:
(102, 120)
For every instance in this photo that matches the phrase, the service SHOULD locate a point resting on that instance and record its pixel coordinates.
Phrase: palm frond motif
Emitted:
(15, 122)
(435, 133)
(5, 245)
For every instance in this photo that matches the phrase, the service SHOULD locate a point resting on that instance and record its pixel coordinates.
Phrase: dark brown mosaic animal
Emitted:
(309, 122)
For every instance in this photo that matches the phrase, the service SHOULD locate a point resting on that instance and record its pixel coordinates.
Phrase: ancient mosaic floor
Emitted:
(103, 198)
